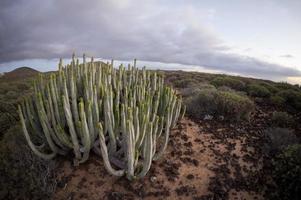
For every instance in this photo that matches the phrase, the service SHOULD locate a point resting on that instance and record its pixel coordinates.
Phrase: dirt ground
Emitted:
(204, 160)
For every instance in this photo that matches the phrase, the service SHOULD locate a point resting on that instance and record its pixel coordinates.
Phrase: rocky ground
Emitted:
(206, 159)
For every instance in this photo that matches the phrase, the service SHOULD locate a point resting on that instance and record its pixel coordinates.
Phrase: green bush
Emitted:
(256, 90)
(229, 82)
(202, 103)
(231, 105)
(12, 95)
(287, 173)
(277, 100)
(23, 86)
(184, 83)
(279, 139)
(234, 106)
(270, 87)
(207, 86)
(282, 119)
(291, 97)
(287, 86)
(23, 174)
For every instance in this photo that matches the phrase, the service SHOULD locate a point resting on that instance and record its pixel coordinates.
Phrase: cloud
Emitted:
(146, 30)
(287, 56)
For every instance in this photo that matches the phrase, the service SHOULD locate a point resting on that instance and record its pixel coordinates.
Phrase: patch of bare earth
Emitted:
(204, 160)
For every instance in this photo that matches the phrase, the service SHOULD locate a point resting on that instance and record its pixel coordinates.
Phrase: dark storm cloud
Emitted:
(122, 30)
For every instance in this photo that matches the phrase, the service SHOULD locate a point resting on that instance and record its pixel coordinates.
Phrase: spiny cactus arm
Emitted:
(62, 135)
(71, 127)
(182, 113)
(32, 117)
(161, 126)
(143, 131)
(136, 124)
(176, 113)
(85, 130)
(109, 123)
(92, 133)
(73, 98)
(54, 95)
(105, 156)
(30, 143)
(147, 160)
(154, 135)
(49, 134)
(130, 151)
(166, 135)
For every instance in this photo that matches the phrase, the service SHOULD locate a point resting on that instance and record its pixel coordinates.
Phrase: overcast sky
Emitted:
(258, 38)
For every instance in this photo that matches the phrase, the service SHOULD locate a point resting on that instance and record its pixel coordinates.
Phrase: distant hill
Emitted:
(20, 73)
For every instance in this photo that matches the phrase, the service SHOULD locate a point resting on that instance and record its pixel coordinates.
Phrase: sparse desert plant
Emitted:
(124, 115)
(234, 106)
(184, 83)
(277, 100)
(287, 173)
(8, 116)
(188, 92)
(287, 86)
(270, 86)
(23, 175)
(292, 98)
(282, 119)
(279, 139)
(229, 82)
(202, 103)
(11, 95)
(256, 90)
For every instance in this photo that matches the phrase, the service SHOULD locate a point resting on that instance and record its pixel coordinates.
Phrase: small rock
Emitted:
(208, 117)
(153, 179)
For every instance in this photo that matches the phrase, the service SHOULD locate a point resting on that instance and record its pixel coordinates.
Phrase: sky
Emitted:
(254, 38)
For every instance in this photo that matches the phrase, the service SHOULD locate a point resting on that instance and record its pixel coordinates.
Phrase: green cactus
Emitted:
(124, 115)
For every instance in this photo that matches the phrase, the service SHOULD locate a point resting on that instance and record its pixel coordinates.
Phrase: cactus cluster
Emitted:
(124, 115)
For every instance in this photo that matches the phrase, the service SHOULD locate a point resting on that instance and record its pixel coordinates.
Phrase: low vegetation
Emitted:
(23, 174)
(256, 90)
(287, 173)
(229, 104)
(282, 119)
(229, 82)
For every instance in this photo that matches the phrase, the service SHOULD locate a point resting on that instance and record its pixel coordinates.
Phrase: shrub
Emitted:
(202, 103)
(231, 105)
(287, 86)
(188, 92)
(277, 100)
(229, 82)
(184, 83)
(292, 98)
(270, 87)
(207, 86)
(12, 95)
(281, 119)
(234, 106)
(23, 175)
(23, 86)
(287, 173)
(279, 139)
(256, 90)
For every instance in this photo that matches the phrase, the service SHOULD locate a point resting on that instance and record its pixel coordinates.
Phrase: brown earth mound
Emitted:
(20, 73)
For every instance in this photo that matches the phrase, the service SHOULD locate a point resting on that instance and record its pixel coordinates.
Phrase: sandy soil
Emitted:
(204, 160)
